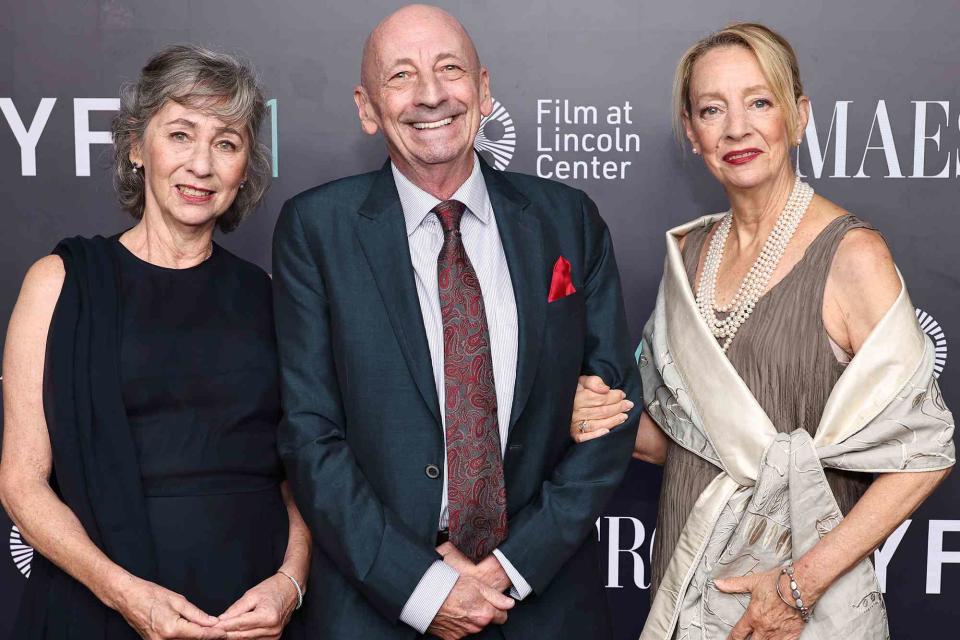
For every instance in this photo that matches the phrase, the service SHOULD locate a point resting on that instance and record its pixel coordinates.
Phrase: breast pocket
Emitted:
(575, 299)
(566, 324)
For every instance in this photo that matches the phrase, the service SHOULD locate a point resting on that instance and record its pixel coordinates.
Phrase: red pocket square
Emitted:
(560, 285)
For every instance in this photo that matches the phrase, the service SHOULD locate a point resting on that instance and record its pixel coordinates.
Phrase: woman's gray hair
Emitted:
(216, 83)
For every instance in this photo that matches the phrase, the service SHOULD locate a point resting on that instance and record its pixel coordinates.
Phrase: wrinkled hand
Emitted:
(598, 407)
(156, 613)
(489, 571)
(262, 612)
(767, 617)
(469, 608)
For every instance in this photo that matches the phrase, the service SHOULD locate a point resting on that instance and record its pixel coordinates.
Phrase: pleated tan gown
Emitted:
(784, 356)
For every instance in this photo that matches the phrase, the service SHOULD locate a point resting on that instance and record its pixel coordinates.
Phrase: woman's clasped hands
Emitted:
(157, 613)
(262, 612)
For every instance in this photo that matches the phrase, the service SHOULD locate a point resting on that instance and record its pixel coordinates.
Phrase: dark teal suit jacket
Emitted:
(362, 421)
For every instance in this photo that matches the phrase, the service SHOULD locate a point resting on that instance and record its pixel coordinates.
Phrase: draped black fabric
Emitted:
(161, 395)
(96, 469)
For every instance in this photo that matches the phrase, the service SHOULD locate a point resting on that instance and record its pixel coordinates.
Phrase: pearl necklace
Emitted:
(755, 282)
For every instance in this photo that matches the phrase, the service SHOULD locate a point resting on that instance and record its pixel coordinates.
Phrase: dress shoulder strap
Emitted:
(813, 269)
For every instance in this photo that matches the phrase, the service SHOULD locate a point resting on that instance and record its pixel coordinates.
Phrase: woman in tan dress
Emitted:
(791, 285)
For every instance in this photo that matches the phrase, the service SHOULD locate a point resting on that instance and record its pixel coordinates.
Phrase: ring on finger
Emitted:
(582, 426)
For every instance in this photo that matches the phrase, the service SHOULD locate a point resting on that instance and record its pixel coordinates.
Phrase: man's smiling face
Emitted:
(423, 86)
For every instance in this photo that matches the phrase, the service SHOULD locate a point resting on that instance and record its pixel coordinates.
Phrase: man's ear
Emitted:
(369, 121)
(486, 100)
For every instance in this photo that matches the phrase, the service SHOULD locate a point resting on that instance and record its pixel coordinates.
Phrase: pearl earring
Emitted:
(696, 151)
(136, 168)
(243, 184)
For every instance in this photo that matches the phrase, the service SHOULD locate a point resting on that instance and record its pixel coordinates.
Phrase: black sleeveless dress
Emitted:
(162, 400)
(199, 379)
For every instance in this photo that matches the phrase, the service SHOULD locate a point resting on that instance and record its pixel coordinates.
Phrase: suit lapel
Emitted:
(523, 248)
(382, 233)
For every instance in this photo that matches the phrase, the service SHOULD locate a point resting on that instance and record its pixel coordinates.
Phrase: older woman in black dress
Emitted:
(141, 393)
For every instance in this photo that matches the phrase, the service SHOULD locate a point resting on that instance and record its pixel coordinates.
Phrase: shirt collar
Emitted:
(417, 203)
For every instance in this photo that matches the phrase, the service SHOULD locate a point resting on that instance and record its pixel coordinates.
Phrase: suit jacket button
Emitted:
(432, 471)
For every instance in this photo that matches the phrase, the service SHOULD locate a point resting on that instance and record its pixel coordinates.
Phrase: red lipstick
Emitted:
(741, 156)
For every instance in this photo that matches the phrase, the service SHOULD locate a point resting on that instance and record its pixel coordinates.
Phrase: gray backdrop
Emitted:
(882, 77)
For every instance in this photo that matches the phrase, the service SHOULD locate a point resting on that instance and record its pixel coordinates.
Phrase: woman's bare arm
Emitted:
(652, 442)
(296, 561)
(44, 520)
(862, 286)
(265, 609)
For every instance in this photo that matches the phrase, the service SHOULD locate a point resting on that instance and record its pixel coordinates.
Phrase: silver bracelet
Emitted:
(296, 585)
(798, 604)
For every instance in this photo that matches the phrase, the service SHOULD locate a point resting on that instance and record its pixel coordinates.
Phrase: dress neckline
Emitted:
(793, 270)
(133, 258)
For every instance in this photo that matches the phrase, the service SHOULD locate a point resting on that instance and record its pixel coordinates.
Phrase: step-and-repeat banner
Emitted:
(583, 96)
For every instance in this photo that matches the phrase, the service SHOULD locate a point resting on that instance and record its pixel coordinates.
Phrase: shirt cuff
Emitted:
(520, 589)
(434, 587)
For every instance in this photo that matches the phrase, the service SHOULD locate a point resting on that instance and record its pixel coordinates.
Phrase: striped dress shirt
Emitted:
(481, 240)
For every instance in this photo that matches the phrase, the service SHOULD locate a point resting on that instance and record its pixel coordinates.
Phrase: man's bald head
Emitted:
(413, 17)
(422, 86)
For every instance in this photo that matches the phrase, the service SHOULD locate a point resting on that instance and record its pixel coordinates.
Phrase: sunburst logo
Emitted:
(933, 329)
(497, 138)
(20, 551)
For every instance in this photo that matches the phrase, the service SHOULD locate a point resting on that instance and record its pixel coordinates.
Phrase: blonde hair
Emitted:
(776, 58)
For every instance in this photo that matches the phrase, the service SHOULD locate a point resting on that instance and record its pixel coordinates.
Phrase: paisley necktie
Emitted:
(476, 494)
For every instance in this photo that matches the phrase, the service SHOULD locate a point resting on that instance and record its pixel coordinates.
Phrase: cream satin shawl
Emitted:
(771, 502)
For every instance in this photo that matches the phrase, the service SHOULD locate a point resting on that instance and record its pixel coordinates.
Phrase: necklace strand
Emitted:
(755, 282)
